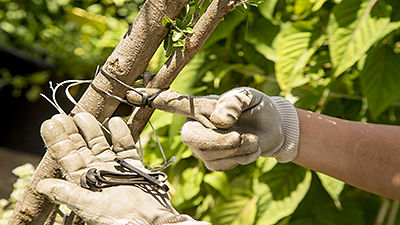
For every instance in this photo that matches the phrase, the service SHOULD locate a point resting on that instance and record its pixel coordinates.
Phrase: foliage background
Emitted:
(336, 57)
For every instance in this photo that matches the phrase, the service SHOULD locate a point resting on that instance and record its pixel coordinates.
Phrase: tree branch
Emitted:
(168, 72)
(126, 63)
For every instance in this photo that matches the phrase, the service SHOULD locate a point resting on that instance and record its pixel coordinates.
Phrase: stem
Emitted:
(126, 63)
(380, 218)
(168, 72)
(393, 213)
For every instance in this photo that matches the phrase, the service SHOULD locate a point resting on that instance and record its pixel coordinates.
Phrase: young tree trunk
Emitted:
(168, 72)
(126, 63)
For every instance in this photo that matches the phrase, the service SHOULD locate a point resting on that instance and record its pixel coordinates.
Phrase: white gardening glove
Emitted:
(79, 144)
(234, 128)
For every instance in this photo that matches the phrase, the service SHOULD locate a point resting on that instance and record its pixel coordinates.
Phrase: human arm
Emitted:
(364, 155)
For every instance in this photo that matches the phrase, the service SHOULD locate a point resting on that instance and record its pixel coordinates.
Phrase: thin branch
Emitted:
(168, 72)
(126, 63)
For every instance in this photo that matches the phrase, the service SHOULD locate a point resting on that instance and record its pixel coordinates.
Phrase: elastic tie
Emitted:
(146, 100)
(96, 180)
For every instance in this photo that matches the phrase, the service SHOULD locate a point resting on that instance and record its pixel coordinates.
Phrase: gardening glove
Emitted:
(234, 128)
(79, 144)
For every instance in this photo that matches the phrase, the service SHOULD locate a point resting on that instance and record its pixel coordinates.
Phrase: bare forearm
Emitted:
(363, 155)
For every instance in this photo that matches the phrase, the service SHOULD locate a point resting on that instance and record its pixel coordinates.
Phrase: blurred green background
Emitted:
(335, 57)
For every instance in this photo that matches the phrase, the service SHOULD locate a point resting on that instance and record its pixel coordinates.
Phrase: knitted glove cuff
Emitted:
(290, 126)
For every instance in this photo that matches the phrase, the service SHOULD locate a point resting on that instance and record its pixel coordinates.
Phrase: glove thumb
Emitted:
(231, 105)
(64, 192)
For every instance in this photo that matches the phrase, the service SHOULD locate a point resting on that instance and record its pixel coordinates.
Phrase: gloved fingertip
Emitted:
(223, 119)
(47, 125)
(52, 131)
(220, 165)
(115, 123)
(83, 116)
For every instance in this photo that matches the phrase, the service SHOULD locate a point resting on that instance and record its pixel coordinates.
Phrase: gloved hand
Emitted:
(234, 128)
(79, 144)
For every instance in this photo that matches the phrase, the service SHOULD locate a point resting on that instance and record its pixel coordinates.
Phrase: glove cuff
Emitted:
(290, 126)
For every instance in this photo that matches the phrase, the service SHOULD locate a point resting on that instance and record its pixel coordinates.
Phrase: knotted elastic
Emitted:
(146, 100)
(96, 180)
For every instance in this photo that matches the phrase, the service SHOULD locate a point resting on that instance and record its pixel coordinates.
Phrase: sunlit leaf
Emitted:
(237, 210)
(266, 9)
(84, 17)
(294, 47)
(247, 214)
(380, 79)
(225, 27)
(262, 39)
(333, 186)
(302, 8)
(317, 209)
(280, 191)
(192, 178)
(176, 35)
(317, 4)
(354, 26)
(219, 181)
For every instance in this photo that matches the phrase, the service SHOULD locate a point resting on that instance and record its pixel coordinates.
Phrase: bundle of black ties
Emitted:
(96, 180)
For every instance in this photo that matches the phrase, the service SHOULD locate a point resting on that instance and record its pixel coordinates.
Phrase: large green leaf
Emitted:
(317, 209)
(239, 210)
(380, 79)
(303, 8)
(266, 8)
(225, 27)
(283, 179)
(219, 181)
(261, 35)
(294, 47)
(287, 181)
(333, 186)
(353, 28)
(192, 178)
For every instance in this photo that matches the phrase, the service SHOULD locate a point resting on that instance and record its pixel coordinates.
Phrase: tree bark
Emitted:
(168, 72)
(126, 63)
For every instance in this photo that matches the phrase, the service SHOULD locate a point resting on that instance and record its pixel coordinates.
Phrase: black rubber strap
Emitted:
(96, 180)
(146, 100)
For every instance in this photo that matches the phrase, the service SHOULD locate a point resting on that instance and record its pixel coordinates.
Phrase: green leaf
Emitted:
(380, 79)
(283, 179)
(238, 210)
(247, 214)
(317, 209)
(317, 5)
(333, 186)
(287, 185)
(302, 8)
(84, 17)
(262, 39)
(294, 48)
(176, 35)
(353, 28)
(165, 22)
(168, 45)
(225, 28)
(219, 181)
(192, 178)
(266, 163)
(179, 43)
(266, 9)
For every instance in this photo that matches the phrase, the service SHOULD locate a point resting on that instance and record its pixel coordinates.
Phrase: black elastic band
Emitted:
(96, 180)
(146, 100)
